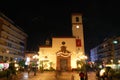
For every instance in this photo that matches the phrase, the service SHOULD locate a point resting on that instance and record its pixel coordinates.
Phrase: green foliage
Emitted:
(33, 64)
(22, 63)
(41, 69)
(83, 66)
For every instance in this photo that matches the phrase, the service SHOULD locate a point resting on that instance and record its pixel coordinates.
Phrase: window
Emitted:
(77, 19)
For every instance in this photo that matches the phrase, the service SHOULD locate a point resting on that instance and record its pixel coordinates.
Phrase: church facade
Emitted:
(64, 51)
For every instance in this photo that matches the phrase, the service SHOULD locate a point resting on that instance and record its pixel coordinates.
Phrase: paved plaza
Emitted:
(52, 76)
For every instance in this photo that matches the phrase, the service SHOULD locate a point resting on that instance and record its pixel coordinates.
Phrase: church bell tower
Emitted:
(77, 32)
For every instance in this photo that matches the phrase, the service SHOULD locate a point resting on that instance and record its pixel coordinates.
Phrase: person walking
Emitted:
(98, 74)
(110, 75)
(82, 75)
(35, 70)
(8, 74)
(29, 69)
(86, 76)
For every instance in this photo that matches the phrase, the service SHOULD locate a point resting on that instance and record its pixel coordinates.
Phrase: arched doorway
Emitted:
(63, 61)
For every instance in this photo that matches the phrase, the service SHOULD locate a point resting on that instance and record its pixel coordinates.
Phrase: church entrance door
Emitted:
(63, 64)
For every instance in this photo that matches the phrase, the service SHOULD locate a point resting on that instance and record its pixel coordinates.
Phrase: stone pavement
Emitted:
(52, 76)
(46, 75)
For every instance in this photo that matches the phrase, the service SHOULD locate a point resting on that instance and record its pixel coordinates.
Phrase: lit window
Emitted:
(115, 42)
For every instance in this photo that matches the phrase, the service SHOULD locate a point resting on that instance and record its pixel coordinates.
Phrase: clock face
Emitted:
(77, 26)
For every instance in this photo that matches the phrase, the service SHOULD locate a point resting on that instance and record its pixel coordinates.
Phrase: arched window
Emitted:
(77, 19)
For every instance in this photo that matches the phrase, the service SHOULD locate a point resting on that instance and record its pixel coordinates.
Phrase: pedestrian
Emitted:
(98, 74)
(109, 75)
(35, 70)
(29, 69)
(86, 76)
(82, 75)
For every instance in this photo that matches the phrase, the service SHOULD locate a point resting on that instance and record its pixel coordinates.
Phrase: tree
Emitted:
(22, 63)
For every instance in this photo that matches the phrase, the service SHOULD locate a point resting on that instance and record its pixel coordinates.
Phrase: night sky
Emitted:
(44, 19)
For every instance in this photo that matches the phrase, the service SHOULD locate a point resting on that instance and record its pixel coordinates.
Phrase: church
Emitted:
(64, 52)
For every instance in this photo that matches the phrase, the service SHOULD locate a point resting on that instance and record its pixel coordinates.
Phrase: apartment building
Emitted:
(107, 52)
(12, 40)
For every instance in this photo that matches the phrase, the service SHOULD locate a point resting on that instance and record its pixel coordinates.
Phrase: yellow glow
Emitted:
(79, 66)
(111, 61)
(17, 69)
(119, 61)
(35, 57)
(73, 64)
(102, 72)
(77, 26)
(15, 61)
(80, 53)
(113, 66)
(16, 65)
(82, 57)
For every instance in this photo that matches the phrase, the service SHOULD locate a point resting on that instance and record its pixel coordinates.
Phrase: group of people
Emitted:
(11, 71)
(107, 75)
(83, 76)
(32, 68)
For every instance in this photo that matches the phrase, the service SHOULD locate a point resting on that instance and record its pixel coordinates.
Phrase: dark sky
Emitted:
(43, 19)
